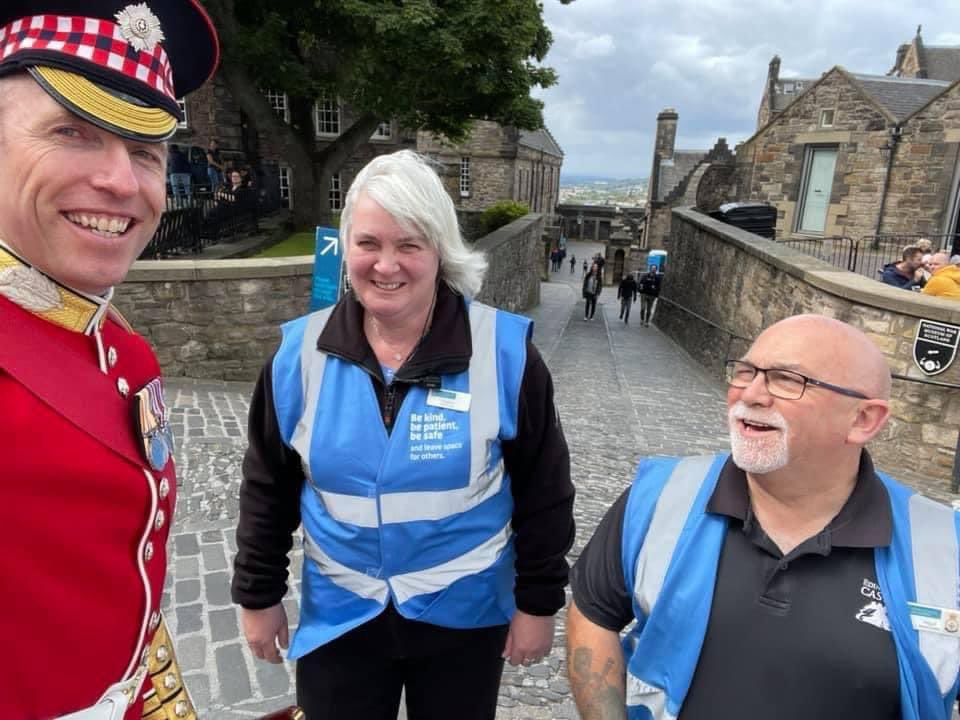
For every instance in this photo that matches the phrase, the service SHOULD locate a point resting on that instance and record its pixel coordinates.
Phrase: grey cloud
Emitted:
(621, 61)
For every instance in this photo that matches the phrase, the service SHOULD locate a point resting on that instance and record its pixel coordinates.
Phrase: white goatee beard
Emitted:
(758, 456)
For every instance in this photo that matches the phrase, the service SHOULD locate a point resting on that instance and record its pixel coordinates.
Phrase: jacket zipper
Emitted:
(389, 398)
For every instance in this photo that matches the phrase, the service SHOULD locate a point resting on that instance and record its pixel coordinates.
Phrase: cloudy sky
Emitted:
(622, 61)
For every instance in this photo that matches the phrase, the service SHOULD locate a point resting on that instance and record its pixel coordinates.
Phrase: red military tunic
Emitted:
(84, 517)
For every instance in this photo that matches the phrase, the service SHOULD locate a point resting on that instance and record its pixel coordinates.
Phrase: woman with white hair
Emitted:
(412, 431)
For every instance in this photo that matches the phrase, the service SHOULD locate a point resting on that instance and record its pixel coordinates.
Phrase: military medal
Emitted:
(152, 424)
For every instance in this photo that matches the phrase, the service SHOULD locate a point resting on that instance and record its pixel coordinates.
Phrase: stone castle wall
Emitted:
(220, 319)
(743, 283)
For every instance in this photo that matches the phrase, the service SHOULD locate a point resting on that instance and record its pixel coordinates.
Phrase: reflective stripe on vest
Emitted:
(669, 517)
(410, 584)
(425, 505)
(936, 571)
(360, 584)
(668, 520)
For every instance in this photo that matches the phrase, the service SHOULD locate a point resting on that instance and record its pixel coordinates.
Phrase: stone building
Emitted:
(212, 112)
(933, 62)
(858, 155)
(620, 230)
(683, 177)
(499, 163)
(590, 223)
(494, 163)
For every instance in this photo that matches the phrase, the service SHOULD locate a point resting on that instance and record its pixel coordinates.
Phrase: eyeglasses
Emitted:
(784, 384)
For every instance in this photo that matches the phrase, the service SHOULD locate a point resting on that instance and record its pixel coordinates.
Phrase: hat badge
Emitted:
(140, 27)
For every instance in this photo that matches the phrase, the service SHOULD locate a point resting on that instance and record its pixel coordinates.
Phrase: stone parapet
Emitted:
(725, 285)
(515, 254)
(220, 319)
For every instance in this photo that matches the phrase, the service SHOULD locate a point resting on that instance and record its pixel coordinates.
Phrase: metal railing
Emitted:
(867, 255)
(191, 223)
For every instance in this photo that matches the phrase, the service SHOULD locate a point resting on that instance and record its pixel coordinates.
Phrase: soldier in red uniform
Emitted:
(88, 97)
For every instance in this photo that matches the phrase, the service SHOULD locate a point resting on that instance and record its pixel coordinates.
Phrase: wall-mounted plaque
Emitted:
(935, 346)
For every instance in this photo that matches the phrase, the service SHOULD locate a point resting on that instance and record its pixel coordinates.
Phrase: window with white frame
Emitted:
(382, 132)
(285, 196)
(336, 194)
(326, 117)
(826, 118)
(464, 177)
(182, 124)
(280, 104)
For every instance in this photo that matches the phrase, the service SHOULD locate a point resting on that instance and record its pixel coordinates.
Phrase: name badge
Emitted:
(449, 400)
(943, 621)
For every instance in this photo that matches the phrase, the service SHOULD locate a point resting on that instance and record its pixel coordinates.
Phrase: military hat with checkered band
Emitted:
(118, 64)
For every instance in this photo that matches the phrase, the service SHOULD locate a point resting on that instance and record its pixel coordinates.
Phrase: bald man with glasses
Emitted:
(788, 579)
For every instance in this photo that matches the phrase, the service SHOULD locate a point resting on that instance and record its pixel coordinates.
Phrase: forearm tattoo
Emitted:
(600, 695)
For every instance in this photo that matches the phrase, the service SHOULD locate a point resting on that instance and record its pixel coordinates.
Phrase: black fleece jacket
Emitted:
(537, 460)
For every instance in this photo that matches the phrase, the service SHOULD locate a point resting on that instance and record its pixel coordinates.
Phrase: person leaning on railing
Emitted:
(906, 273)
(945, 278)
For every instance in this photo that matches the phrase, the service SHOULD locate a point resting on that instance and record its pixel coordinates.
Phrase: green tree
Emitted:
(428, 64)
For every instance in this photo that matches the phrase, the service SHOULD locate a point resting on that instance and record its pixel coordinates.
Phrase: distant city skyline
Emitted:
(620, 64)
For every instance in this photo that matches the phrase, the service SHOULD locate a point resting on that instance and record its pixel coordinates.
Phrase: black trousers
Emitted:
(591, 306)
(446, 673)
(646, 307)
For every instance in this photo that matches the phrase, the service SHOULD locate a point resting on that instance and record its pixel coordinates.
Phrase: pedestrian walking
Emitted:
(584, 268)
(649, 291)
(573, 263)
(89, 94)
(592, 286)
(427, 563)
(627, 293)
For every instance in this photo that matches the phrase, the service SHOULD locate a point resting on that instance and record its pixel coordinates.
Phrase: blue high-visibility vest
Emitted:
(671, 551)
(420, 517)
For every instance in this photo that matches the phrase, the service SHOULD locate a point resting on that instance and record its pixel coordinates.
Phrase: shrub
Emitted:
(502, 213)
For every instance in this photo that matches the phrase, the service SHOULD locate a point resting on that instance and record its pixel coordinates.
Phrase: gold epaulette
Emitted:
(168, 698)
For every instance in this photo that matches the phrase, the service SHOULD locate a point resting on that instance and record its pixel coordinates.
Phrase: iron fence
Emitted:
(867, 255)
(191, 223)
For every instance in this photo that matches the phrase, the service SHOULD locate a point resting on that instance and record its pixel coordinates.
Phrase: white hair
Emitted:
(409, 189)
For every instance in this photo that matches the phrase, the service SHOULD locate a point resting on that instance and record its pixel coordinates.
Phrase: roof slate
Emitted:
(942, 63)
(540, 140)
(900, 96)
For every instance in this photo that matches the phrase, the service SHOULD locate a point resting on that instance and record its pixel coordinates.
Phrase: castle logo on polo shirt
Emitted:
(874, 612)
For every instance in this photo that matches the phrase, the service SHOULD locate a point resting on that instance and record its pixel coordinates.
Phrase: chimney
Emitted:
(773, 76)
(662, 147)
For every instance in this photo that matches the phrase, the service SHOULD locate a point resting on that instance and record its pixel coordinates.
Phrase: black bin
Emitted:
(758, 218)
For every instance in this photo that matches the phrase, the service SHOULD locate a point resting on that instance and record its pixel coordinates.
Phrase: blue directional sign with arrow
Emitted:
(327, 272)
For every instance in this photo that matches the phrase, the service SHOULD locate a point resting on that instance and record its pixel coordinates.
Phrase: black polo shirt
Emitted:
(790, 637)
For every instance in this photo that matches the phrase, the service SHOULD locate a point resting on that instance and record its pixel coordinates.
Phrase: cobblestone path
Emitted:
(623, 391)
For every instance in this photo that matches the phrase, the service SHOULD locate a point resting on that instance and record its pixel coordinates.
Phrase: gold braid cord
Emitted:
(167, 699)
